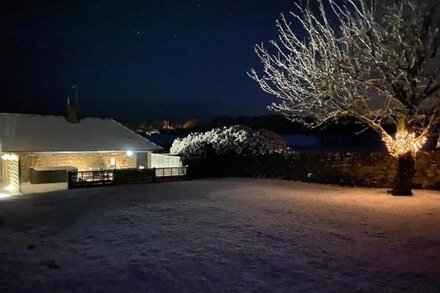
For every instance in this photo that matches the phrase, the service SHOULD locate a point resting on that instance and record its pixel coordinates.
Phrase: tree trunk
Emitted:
(405, 174)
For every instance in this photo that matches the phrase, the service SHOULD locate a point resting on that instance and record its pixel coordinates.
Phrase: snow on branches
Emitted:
(238, 140)
(377, 61)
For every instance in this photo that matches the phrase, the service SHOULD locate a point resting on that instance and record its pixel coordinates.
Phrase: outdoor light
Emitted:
(10, 157)
(129, 153)
(6, 191)
(9, 188)
(405, 142)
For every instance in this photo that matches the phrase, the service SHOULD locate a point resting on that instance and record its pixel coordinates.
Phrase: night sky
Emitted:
(135, 60)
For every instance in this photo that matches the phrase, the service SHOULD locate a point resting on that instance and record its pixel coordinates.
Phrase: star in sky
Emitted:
(131, 60)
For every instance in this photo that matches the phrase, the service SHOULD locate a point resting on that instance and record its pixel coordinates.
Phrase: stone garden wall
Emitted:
(375, 169)
(365, 169)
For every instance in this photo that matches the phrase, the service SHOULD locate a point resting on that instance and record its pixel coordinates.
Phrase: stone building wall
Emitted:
(376, 169)
(81, 161)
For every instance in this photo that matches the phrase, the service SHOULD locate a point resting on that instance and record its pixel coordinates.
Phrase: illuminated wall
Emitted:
(81, 161)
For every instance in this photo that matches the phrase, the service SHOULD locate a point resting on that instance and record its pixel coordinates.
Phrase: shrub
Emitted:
(238, 140)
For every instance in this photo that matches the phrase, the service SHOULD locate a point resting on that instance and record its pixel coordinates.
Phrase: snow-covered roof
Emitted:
(37, 133)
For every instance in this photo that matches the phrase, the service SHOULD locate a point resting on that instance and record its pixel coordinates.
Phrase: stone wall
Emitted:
(375, 169)
(81, 161)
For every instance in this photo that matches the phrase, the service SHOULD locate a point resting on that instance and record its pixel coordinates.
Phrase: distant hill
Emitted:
(273, 122)
(281, 125)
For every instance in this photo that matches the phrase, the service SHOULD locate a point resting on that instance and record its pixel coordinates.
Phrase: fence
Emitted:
(157, 160)
(79, 179)
(169, 174)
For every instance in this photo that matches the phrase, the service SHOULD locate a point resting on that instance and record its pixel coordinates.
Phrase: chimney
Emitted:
(72, 115)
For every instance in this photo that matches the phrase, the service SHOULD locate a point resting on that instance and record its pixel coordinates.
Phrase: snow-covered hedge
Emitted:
(243, 141)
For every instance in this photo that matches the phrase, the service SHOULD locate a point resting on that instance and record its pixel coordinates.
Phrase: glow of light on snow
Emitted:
(10, 187)
(5, 195)
(6, 191)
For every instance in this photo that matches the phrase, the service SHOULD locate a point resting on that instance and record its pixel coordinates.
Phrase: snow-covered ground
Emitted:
(220, 235)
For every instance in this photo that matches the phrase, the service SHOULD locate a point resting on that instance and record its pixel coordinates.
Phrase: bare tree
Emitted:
(378, 63)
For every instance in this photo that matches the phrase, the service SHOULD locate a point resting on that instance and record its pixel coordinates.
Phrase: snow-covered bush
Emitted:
(239, 140)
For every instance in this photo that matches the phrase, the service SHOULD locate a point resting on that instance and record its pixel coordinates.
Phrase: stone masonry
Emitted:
(376, 169)
(81, 161)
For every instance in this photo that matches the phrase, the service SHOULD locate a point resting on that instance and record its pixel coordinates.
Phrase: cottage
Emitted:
(37, 151)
